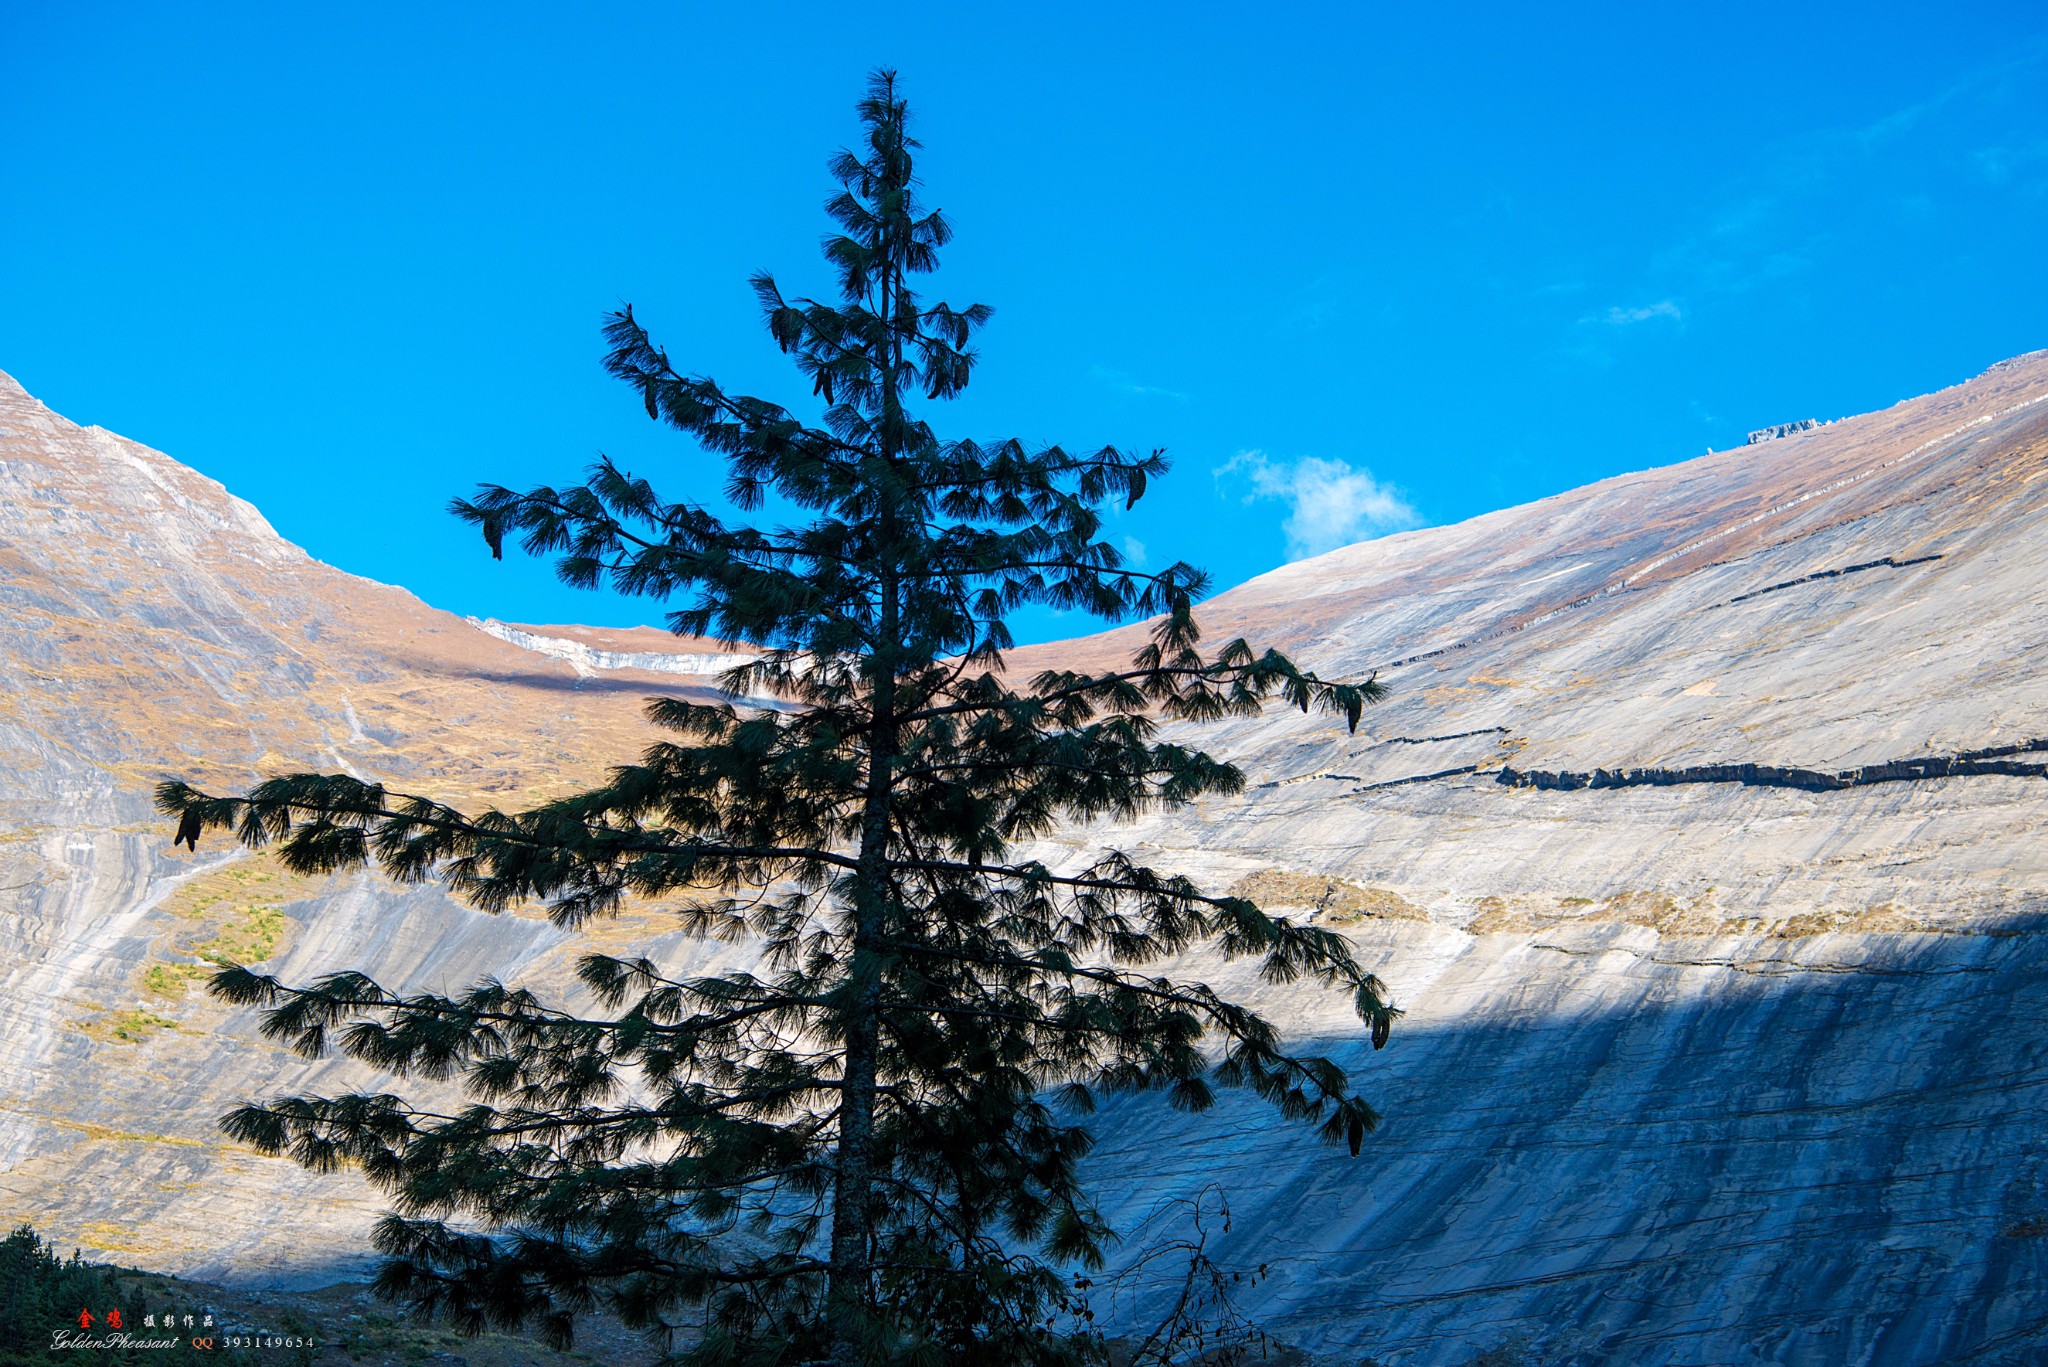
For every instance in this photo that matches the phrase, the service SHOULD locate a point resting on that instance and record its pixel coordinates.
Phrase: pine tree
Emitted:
(866, 1149)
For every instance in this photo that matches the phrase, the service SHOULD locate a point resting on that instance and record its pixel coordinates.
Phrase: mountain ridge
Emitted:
(2017, 384)
(1678, 1055)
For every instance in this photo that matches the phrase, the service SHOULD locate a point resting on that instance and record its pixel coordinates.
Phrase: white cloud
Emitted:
(1134, 552)
(1329, 503)
(1663, 308)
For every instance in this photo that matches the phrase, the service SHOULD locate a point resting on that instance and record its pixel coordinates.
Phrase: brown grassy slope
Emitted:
(158, 626)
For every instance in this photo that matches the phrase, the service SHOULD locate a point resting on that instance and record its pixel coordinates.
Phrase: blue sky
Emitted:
(1356, 267)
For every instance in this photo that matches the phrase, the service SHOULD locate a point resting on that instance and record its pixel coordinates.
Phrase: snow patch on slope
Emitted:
(587, 660)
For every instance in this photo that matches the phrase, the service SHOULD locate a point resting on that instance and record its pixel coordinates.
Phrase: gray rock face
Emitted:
(155, 626)
(1604, 1144)
(1719, 788)
(1700, 839)
(1782, 429)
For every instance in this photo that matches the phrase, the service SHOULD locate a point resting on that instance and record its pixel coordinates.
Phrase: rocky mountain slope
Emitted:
(156, 626)
(1701, 840)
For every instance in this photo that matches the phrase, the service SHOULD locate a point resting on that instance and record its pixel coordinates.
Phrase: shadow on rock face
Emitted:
(1825, 1151)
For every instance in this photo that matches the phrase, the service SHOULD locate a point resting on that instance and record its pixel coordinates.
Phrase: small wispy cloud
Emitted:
(1330, 503)
(1122, 383)
(1789, 208)
(2010, 163)
(1626, 317)
(1135, 553)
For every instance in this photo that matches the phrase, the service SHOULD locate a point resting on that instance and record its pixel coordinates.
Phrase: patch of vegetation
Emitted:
(1883, 918)
(113, 1136)
(242, 908)
(1330, 899)
(250, 938)
(111, 1238)
(382, 1342)
(1496, 914)
(1668, 913)
(1656, 909)
(167, 982)
(127, 1027)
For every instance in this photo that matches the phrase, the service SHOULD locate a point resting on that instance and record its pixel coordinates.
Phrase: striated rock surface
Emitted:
(1720, 788)
(154, 626)
(1701, 840)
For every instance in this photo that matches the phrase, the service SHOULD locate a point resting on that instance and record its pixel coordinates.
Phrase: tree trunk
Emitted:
(853, 1181)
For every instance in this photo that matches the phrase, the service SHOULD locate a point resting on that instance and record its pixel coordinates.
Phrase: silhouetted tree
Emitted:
(105, 1316)
(866, 1149)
